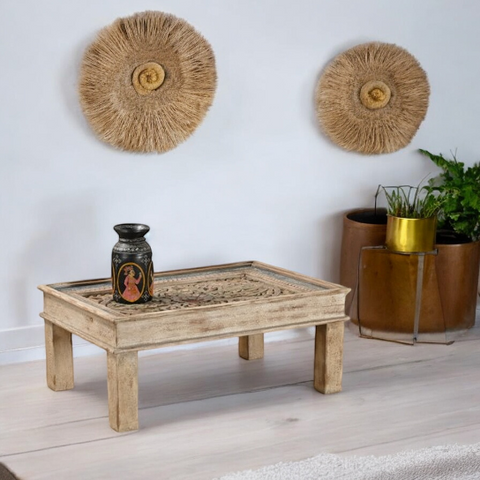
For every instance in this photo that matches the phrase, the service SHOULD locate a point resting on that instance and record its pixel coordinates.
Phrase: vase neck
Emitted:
(131, 240)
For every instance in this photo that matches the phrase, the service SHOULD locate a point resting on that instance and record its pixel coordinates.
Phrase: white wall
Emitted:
(257, 180)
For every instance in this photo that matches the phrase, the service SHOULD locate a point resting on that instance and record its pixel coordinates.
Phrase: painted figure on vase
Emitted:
(131, 292)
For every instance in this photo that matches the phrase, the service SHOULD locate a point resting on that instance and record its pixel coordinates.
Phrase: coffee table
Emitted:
(242, 300)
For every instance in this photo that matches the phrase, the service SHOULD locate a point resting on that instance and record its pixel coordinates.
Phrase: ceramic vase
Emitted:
(132, 266)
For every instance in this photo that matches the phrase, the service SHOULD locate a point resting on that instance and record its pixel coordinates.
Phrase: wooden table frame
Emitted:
(68, 309)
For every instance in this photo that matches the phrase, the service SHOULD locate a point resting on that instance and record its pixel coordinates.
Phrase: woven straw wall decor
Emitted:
(372, 98)
(146, 82)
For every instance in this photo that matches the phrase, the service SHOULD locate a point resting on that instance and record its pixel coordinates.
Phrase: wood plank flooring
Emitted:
(206, 412)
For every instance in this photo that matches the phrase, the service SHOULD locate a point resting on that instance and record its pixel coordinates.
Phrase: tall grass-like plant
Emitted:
(460, 190)
(407, 201)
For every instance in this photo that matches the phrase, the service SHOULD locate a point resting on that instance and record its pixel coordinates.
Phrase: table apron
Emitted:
(84, 324)
(240, 333)
(192, 326)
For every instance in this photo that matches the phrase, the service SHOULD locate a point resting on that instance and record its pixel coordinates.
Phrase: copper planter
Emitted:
(457, 269)
(361, 228)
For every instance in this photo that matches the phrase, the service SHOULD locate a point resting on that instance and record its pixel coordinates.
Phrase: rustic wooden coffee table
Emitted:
(242, 300)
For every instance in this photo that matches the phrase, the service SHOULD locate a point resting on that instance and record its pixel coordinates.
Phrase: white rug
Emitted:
(452, 462)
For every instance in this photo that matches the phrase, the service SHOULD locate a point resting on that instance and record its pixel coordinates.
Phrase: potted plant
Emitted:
(412, 217)
(460, 189)
(368, 227)
(450, 280)
(387, 278)
(458, 238)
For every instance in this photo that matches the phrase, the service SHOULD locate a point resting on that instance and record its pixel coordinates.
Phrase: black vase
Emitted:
(132, 266)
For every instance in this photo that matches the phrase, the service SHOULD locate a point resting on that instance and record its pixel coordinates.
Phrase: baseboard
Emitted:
(27, 344)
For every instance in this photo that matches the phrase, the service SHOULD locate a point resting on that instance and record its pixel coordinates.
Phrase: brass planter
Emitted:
(411, 235)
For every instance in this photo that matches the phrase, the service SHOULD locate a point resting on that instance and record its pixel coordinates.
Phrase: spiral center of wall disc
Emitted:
(148, 77)
(375, 94)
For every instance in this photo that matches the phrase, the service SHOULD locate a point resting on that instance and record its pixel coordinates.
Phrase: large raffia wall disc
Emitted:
(147, 81)
(372, 98)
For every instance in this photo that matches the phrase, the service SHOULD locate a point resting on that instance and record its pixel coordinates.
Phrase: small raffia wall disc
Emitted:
(147, 81)
(372, 98)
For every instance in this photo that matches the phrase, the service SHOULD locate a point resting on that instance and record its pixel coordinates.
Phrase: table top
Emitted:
(194, 305)
(198, 287)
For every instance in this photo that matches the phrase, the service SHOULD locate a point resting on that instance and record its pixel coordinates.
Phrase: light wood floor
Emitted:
(205, 412)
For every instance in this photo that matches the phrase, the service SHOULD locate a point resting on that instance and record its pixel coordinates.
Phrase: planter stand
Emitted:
(399, 297)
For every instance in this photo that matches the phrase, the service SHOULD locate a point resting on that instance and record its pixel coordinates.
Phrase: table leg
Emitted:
(59, 354)
(123, 390)
(328, 363)
(250, 347)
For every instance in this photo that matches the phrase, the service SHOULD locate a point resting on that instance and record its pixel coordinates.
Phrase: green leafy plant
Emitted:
(407, 201)
(460, 190)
